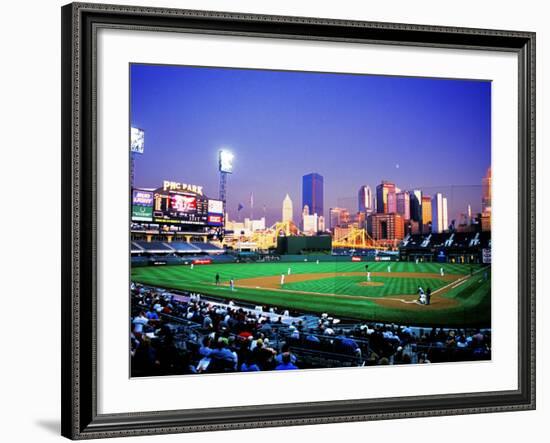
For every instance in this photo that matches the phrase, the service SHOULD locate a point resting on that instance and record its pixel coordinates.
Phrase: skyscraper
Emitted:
(387, 227)
(439, 213)
(445, 215)
(416, 205)
(287, 209)
(338, 217)
(310, 222)
(404, 204)
(312, 193)
(426, 213)
(305, 213)
(486, 189)
(385, 198)
(321, 224)
(365, 199)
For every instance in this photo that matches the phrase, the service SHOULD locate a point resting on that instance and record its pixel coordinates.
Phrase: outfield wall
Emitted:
(225, 258)
(315, 257)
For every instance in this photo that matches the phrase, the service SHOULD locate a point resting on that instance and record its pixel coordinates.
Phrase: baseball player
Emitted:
(282, 279)
(442, 272)
(288, 272)
(421, 296)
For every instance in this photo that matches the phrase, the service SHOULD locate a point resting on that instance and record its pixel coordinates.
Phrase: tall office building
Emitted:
(416, 205)
(365, 199)
(359, 220)
(311, 224)
(385, 198)
(387, 227)
(305, 212)
(287, 209)
(338, 217)
(321, 223)
(404, 204)
(439, 214)
(486, 192)
(426, 213)
(312, 193)
(254, 225)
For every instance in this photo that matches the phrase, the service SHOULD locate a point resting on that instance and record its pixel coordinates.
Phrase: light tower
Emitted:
(137, 144)
(225, 166)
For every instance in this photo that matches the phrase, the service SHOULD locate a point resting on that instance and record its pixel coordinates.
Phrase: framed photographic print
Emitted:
(277, 221)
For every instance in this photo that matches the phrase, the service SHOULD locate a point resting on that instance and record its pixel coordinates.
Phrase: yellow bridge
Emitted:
(351, 237)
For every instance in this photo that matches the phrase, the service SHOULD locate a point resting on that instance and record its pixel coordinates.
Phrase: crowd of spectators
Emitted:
(187, 334)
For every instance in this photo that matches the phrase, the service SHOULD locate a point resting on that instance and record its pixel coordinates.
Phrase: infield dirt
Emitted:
(273, 283)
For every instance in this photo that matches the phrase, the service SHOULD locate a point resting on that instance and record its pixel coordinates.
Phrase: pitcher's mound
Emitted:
(371, 283)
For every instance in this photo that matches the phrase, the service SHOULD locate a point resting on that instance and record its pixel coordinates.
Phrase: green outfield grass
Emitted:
(342, 296)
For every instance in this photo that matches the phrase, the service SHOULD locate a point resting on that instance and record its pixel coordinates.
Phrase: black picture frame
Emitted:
(80, 22)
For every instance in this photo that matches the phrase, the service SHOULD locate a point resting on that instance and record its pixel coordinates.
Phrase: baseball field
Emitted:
(460, 297)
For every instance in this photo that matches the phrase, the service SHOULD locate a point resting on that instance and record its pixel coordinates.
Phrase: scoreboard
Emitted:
(179, 208)
(176, 208)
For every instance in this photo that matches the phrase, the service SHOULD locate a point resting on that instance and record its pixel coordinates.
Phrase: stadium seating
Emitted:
(223, 258)
(184, 247)
(135, 248)
(154, 247)
(208, 248)
(184, 328)
(461, 246)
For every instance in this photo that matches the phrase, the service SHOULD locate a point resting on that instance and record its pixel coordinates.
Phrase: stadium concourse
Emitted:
(177, 332)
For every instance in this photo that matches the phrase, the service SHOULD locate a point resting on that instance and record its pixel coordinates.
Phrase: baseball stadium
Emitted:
(209, 295)
(273, 253)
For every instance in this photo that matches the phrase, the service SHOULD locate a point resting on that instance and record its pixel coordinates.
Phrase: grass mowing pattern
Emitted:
(351, 286)
(473, 295)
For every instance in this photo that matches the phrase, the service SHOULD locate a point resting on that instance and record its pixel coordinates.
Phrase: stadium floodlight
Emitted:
(137, 140)
(226, 161)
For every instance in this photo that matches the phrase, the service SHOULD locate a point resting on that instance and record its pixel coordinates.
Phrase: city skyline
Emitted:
(284, 125)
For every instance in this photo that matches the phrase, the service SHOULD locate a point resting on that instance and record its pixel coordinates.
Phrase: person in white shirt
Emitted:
(139, 322)
(389, 268)
(288, 272)
(421, 296)
(442, 272)
(282, 279)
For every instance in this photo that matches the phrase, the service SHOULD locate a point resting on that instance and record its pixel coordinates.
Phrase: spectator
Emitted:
(139, 322)
(249, 365)
(248, 340)
(286, 364)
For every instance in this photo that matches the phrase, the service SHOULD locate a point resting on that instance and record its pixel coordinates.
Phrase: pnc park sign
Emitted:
(176, 186)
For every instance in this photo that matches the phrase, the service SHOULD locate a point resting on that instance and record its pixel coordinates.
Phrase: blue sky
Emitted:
(433, 134)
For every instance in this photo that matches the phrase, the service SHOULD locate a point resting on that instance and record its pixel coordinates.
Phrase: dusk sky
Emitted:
(432, 134)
